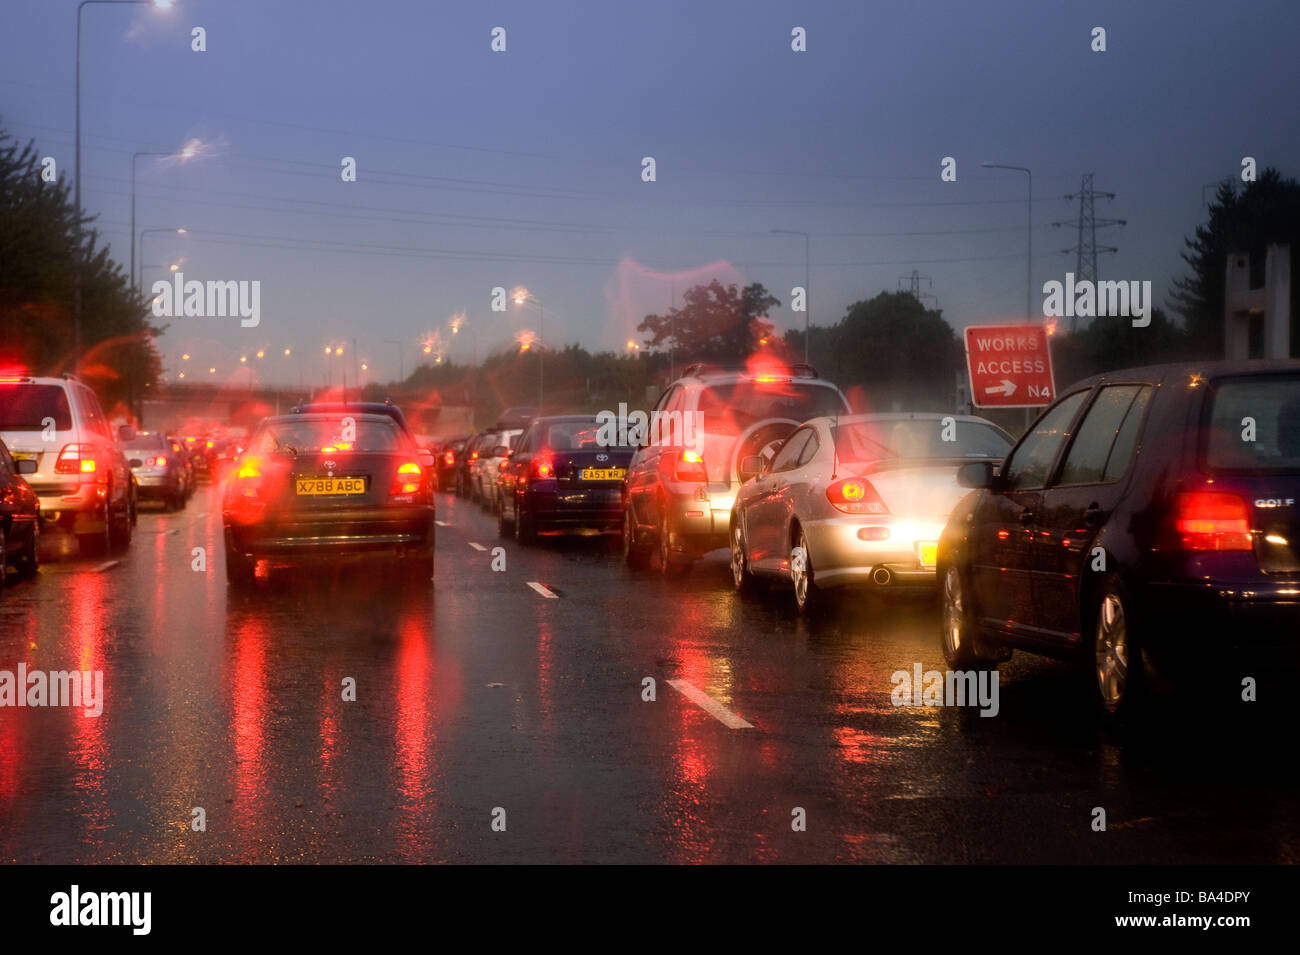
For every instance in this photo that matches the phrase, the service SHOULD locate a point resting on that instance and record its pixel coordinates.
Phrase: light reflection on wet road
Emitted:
(475, 693)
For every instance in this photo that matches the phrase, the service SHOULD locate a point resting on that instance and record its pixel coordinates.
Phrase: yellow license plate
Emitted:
(328, 485)
(929, 554)
(603, 474)
(23, 455)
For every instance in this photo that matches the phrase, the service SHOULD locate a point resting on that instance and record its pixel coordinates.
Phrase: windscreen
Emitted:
(730, 409)
(146, 442)
(26, 408)
(918, 439)
(326, 435)
(1265, 409)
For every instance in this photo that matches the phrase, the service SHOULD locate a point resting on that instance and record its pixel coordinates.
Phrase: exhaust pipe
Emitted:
(881, 576)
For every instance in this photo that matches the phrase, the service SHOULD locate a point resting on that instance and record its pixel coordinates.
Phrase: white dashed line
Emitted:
(543, 590)
(104, 566)
(709, 705)
(477, 546)
(442, 523)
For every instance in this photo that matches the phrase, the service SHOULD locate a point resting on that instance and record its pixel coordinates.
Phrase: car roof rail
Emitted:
(802, 369)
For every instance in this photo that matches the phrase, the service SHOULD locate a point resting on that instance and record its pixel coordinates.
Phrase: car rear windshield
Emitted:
(730, 409)
(918, 439)
(301, 435)
(578, 435)
(1254, 425)
(26, 408)
(147, 442)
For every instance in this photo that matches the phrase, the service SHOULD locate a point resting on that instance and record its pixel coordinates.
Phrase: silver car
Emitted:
(855, 500)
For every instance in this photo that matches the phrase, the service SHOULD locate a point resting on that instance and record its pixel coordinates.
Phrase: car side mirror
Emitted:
(26, 466)
(751, 466)
(134, 463)
(500, 451)
(977, 474)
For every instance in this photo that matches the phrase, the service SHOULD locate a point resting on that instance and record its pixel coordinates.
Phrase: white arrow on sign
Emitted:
(1008, 388)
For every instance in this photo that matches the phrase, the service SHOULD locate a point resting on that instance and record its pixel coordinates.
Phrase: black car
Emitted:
(385, 408)
(1147, 525)
(328, 485)
(20, 530)
(562, 476)
(448, 451)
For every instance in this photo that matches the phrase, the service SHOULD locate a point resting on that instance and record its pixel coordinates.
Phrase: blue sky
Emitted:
(479, 169)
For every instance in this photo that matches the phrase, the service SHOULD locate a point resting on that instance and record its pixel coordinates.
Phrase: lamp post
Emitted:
(401, 361)
(138, 273)
(522, 296)
(76, 296)
(807, 290)
(1029, 267)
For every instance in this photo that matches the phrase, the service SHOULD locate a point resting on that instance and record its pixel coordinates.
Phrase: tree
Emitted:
(1107, 344)
(715, 323)
(1266, 212)
(40, 248)
(893, 347)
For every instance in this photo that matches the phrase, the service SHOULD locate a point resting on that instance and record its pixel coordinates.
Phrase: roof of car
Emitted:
(321, 416)
(1168, 371)
(357, 407)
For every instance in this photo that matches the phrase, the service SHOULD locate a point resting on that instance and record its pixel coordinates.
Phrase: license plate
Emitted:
(328, 485)
(928, 553)
(603, 474)
(23, 455)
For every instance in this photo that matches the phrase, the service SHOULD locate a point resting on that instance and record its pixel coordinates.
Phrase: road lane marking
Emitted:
(104, 566)
(709, 705)
(442, 523)
(477, 546)
(543, 590)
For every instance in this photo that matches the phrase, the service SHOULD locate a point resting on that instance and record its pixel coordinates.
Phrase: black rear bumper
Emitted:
(403, 531)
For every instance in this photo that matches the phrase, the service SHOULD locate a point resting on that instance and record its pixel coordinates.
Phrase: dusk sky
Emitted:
(479, 169)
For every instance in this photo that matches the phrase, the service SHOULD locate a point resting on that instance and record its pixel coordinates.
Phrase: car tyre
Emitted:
(525, 524)
(30, 562)
(669, 563)
(741, 578)
(1118, 668)
(505, 526)
(635, 553)
(809, 599)
(959, 645)
(240, 570)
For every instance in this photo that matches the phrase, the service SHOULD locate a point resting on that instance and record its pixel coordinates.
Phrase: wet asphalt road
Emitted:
(477, 692)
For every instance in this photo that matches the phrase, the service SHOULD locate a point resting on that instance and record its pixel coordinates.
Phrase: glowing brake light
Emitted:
(87, 465)
(689, 466)
(1212, 520)
(209, 444)
(473, 455)
(160, 462)
(249, 469)
(406, 481)
(449, 458)
(855, 495)
(543, 467)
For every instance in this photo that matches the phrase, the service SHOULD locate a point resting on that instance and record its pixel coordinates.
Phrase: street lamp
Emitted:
(137, 274)
(522, 296)
(1029, 266)
(76, 298)
(807, 291)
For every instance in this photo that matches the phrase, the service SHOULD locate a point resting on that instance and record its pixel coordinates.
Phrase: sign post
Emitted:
(1010, 366)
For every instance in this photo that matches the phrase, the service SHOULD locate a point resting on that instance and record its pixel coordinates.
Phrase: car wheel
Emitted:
(670, 563)
(959, 648)
(1119, 678)
(121, 538)
(740, 575)
(808, 597)
(31, 561)
(92, 545)
(240, 570)
(635, 553)
(525, 525)
(505, 526)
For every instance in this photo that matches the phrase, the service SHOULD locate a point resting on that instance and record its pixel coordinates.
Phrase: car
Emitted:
(186, 460)
(858, 500)
(480, 452)
(158, 466)
(1146, 526)
(20, 526)
(445, 468)
(328, 485)
(385, 408)
(465, 460)
(81, 478)
(678, 493)
(562, 477)
(489, 467)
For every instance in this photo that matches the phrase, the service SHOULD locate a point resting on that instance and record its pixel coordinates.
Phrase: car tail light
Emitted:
(79, 459)
(449, 458)
(160, 462)
(473, 455)
(855, 495)
(689, 466)
(543, 467)
(1212, 520)
(406, 482)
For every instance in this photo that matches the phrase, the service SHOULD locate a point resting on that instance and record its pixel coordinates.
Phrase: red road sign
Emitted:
(1010, 366)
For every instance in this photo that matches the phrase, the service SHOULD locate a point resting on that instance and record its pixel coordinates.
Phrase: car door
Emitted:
(643, 470)
(1090, 482)
(768, 506)
(1003, 529)
(517, 464)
